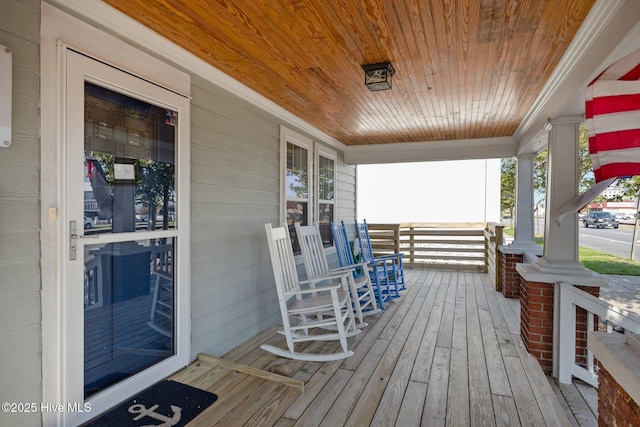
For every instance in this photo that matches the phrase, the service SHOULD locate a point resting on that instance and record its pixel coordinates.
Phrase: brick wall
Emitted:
(615, 406)
(510, 277)
(536, 321)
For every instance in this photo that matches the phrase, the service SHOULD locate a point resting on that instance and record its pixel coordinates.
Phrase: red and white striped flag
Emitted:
(613, 119)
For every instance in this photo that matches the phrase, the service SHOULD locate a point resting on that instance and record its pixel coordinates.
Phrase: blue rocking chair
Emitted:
(396, 270)
(377, 271)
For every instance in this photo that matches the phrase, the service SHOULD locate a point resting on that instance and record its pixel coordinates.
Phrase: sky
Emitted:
(443, 191)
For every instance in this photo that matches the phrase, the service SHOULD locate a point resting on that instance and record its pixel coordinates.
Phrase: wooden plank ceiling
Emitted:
(465, 68)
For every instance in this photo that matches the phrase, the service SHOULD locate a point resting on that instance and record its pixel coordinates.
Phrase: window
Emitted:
(296, 180)
(326, 178)
(303, 202)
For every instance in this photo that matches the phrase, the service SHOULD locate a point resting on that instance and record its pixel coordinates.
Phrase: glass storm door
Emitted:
(124, 230)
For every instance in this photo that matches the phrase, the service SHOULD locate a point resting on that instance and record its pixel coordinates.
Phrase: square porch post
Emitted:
(524, 240)
(524, 219)
(540, 315)
(561, 240)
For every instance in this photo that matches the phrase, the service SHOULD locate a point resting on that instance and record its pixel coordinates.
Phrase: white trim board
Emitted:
(461, 149)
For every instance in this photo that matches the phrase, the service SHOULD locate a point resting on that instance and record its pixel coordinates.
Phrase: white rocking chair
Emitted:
(162, 305)
(317, 268)
(323, 307)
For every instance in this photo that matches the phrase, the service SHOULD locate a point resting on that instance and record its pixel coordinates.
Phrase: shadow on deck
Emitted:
(448, 352)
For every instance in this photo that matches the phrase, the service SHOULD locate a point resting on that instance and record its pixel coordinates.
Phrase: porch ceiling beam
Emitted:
(462, 149)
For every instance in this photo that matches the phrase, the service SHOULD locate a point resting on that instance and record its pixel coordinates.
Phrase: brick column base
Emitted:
(510, 277)
(536, 322)
(615, 406)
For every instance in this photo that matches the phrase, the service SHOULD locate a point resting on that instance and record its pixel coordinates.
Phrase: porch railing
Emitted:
(385, 238)
(92, 284)
(161, 261)
(494, 237)
(570, 299)
(452, 246)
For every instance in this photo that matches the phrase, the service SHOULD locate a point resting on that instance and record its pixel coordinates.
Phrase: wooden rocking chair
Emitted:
(317, 268)
(377, 271)
(396, 270)
(323, 307)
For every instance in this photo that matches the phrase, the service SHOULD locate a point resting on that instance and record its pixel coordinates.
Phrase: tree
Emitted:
(508, 185)
(155, 189)
(508, 180)
(631, 188)
(585, 171)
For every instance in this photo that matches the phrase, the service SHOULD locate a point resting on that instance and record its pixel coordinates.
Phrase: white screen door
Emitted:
(125, 288)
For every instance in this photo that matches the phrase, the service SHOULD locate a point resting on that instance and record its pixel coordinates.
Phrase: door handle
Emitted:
(85, 236)
(73, 240)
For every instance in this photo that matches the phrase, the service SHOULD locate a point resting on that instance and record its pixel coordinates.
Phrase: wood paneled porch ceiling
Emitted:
(465, 68)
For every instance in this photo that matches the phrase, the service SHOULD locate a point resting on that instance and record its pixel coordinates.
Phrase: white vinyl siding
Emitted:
(235, 191)
(236, 186)
(346, 192)
(20, 307)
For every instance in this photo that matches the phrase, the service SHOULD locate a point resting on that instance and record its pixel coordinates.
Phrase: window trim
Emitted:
(314, 151)
(332, 155)
(290, 136)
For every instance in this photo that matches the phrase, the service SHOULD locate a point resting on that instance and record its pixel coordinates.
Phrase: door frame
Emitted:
(60, 32)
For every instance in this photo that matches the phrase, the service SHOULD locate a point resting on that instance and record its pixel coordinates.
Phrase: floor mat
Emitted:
(167, 403)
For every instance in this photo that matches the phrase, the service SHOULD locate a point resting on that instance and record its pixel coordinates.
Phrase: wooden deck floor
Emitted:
(447, 352)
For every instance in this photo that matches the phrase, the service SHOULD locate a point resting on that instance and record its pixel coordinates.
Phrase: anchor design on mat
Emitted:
(143, 411)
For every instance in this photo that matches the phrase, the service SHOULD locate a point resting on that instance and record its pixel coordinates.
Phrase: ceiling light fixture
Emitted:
(378, 76)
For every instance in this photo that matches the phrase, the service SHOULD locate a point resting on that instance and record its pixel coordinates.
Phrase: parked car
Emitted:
(623, 216)
(600, 220)
(88, 223)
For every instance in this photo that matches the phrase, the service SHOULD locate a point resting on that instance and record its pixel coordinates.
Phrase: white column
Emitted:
(561, 241)
(524, 217)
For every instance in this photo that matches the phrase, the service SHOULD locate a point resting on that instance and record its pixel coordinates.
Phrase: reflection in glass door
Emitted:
(129, 196)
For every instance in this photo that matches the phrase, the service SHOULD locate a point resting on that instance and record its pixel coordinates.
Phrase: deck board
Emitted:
(590, 397)
(578, 406)
(529, 411)
(480, 402)
(458, 395)
(498, 381)
(447, 352)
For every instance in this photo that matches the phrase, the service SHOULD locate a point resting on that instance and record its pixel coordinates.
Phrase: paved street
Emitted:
(610, 240)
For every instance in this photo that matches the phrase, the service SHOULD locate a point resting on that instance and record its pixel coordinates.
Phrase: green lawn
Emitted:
(600, 262)
(604, 263)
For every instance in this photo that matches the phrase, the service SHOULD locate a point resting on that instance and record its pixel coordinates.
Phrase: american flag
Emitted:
(613, 119)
